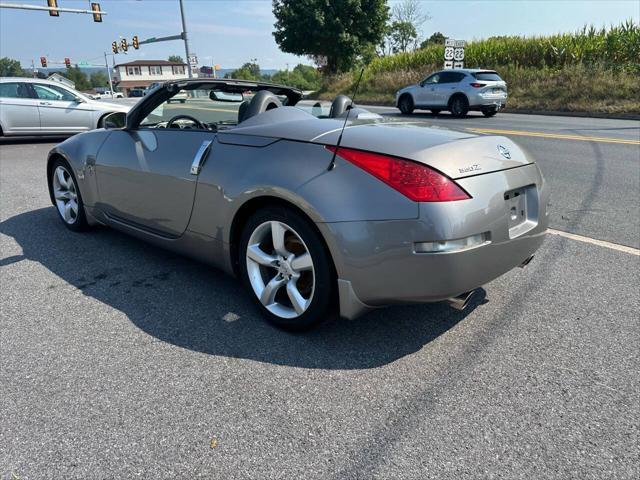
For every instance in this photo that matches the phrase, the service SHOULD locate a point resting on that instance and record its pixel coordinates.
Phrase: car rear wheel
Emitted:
(66, 196)
(406, 104)
(459, 106)
(286, 268)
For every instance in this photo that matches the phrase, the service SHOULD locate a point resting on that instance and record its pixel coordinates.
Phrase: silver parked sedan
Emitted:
(457, 91)
(302, 211)
(30, 106)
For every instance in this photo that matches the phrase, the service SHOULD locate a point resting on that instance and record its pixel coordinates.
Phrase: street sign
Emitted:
(83, 63)
(193, 59)
(448, 53)
(454, 53)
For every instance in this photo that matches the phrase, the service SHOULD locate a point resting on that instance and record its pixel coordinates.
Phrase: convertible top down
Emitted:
(248, 178)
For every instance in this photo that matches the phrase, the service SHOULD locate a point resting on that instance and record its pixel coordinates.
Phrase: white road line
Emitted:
(593, 241)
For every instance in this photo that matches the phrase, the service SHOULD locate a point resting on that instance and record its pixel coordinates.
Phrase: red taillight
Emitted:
(478, 85)
(414, 180)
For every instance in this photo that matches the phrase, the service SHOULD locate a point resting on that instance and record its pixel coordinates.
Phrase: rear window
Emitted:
(487, 76)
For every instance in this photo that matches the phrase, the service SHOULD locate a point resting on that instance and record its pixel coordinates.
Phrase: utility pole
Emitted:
(106, 64)
(33, 69)
(186, 39)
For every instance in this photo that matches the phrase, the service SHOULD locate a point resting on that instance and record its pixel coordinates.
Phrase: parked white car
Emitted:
(30, 106)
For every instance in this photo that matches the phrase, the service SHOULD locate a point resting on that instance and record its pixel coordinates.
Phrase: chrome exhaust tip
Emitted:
(526, 262)
(461, 301)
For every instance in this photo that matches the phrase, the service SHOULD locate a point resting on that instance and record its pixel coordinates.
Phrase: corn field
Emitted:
(617, 48)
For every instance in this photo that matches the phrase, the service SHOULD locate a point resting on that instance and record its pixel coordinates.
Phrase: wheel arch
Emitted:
(53, 156)
(406, 94)
(457, 95)
(254, 204)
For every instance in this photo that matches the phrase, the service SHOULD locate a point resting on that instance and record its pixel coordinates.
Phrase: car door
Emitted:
(448, 84)
(145, 180)
(426, 90)
(18, 109)
(61, 111)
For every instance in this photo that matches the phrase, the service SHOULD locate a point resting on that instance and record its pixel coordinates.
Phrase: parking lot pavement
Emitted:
(119, 359)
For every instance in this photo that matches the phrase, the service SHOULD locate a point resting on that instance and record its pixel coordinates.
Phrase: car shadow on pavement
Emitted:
(31, 140)
(191, 305)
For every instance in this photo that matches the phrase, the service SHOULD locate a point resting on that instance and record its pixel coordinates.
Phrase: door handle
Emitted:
(200, 157)
(46, 103)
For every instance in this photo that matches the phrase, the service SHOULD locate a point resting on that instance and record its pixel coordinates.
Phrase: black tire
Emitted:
(459, 106)
(182, 101)
(321, 296)
(79, 222)
(435, 111)
(489, 112)
(405, 104)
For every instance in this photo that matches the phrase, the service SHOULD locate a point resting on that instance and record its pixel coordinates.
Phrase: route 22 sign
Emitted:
(454, 53)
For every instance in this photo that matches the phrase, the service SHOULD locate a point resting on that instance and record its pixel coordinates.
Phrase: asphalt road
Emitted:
(120, 360)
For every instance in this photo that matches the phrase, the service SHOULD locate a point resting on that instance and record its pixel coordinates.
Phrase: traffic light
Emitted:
(95, 8)
(43, 62)
(67, 62)
(114, 47)
(53, 4)
(123, 45)
(135, 43)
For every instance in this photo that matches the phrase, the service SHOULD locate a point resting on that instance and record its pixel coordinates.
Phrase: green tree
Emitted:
(99, 79)
(403, 36)
(10, 68)
(175, 59)
(333, 33)
(78, 77)
(435, 39)
(248, 71)
(303, 77)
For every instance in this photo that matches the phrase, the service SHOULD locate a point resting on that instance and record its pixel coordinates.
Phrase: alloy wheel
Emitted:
(280, 269)
(65, 194)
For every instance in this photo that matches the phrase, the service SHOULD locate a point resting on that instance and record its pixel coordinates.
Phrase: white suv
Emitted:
(457, 91)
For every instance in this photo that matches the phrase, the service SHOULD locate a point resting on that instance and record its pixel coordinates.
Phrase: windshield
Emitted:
(193, 104)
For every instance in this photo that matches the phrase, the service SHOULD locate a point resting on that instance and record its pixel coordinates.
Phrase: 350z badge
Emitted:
(470, 168)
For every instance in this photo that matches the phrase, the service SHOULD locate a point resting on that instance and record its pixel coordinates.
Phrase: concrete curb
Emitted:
(612, 116)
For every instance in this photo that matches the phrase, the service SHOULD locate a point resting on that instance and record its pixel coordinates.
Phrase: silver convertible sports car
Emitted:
(309, 215)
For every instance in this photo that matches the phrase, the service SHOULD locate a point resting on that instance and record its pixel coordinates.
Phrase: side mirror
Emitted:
(115, 120)
(80, 100)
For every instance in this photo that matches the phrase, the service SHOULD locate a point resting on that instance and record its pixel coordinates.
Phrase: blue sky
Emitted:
(231, 32)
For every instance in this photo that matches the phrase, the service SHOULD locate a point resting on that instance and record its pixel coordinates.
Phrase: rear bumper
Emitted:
(377, 263)
(478, 101)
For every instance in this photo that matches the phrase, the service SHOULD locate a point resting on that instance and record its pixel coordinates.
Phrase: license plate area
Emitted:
(521, 208)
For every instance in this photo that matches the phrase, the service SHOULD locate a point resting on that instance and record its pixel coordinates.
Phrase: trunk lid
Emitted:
(456, 154)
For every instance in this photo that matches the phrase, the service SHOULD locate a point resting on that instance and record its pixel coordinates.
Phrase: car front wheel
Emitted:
(406, 105)
(66, 196)
(286, 268)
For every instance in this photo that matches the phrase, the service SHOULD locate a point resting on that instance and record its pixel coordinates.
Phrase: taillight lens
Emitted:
(478, 85)
(414, 180)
